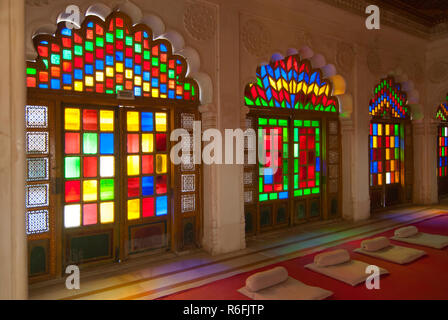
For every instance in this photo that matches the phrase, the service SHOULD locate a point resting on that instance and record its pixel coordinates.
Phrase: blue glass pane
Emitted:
(283, 195)
(89, 69)
(147, 121)
(55, 84)
(99, 64)
(119, 55)
(128, 63)
(147, 186)
(67, 79)
(106, 143)
(109, 60)
(161, 206)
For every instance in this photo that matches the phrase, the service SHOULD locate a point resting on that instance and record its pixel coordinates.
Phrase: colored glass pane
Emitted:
(133, 209)
(147, 121)
(89, 119)
(72, 119)
(72, 167)
(148, 207)
(161, 163)
(133, 163)
(89, 214)
(90, 167)
(106, 120)
(161, 184)
(133, 142)
(106, 189)
(106, 212)
(72, 215)
(72, 143)
(90, 143)
(90, 190)
(107, 166)
(72, 191)
(133, 123)
(161, 205)
(147, 142)
(147, 164)
(148, 186)
(106, 143)
(161, 142)
(133, 187)
(161, 122)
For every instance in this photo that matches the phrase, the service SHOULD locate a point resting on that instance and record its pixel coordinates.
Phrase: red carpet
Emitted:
(426, 278)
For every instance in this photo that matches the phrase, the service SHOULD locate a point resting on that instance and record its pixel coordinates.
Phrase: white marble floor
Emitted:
(154, 277)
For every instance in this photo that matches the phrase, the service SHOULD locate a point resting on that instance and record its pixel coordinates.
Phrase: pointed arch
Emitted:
(389, 100)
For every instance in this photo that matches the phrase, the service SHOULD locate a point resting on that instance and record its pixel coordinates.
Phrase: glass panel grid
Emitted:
(89, 166)
(274, 134)
(442, 151)
(146, 164)
(306, 157)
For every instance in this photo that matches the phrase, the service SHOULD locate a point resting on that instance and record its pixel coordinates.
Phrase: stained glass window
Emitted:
(146, 164)
(385, 153)
(389, 100)
(442, 142)
(291, 83)
(307, 157)
(89, 166)
(443, 151)
(273, 177)
(107, 57)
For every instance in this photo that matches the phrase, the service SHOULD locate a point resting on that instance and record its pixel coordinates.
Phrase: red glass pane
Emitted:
(89, 57)
(90, 167)
(133, 187)
(161, 184)
(148, 207)
(311, 142)
(161, 142)
(147, 164)
(30, 82)
(72, 191)
(89, 119)
(89, 214)
(43, 51)
(302, 173)
(72, 144)
(310, 172)
(302, 142)
(78, 62)
(133, 143)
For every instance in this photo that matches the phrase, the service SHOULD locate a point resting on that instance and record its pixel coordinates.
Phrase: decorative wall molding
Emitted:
(400, 20)
(345, 57)
(438, 71)
(256, 37)
(200, 20)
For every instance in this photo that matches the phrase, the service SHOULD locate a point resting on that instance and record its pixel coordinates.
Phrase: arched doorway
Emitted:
(292, 106)
(102, 101)
(390, 146)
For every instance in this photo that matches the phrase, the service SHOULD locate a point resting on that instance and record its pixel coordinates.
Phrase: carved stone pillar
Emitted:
(347, 133)
(13, 248)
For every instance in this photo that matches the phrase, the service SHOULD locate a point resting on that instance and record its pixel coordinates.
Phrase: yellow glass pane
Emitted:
(119, 67)
(99, 76)
(380, 129)
(160, 121)
(133, 122)
(89, 81)
(392, 165)
(106, 120)
(380, 179)
(387, 154)
(375, 143)
(145, 86)
(109, 72)
(133, 209)
(107, 212)
(147, 142)
(78, 86)
(161, 163)
(72, 119)
(392, 142)
(133, 165)
(89, 192)
(387, 129)
(128, 74)
(397, 176)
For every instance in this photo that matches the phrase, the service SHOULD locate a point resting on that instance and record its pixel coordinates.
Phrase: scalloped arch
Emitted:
(192, 73)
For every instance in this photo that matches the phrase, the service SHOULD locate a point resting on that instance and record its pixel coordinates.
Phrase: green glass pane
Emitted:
(67, 54)
(315, 123)
(109, 37)
(260, 185)
(46, 63)
(283, 122)
(72, 167)
(146, 55)
(30, 70)
(315, 190)
(55, 59)
(307, 191)
(296, 135)
(163, 69)
(317, 149)
(155, 62)
(273, 196)
(119, 34)
(90, 143)
(307, 123)
(298, 123)
(262, 121)
(107, 189)
(99, 42)
(138, 48)
(89, 46)
(263, 197)
(129, 41)
(78, 50)
(273, 122)
(285, 134)
(296, 165)
(171, 74)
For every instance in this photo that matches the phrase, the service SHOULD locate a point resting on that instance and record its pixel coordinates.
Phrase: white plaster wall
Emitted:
(239, 35)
